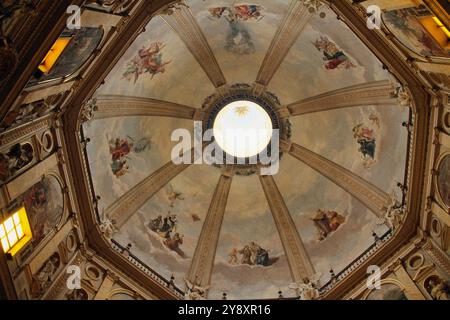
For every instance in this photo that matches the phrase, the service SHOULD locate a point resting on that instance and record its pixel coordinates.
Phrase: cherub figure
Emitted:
(173, 195)
(149, 60)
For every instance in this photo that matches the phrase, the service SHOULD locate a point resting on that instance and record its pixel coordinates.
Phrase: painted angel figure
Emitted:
(173, 195)
(334, 56)
(148, 60)
(233, 256)
(233, 14)
(120, 148)
(367, 141)
(217, 12)
(248, 11)
(195, 292)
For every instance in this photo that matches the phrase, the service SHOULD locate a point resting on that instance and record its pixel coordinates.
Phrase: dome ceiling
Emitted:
(368, 140)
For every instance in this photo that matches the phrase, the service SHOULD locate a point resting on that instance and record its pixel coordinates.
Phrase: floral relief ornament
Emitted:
(88, 110)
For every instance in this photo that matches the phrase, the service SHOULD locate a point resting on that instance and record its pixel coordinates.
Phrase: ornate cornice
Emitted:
(438, 257)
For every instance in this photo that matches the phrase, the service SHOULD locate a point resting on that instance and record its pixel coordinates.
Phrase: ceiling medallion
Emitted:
(244, 126)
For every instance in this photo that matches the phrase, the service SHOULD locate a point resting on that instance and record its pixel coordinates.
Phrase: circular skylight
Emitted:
(243, 129)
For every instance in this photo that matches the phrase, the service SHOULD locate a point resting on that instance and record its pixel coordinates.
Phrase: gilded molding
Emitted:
(122, 106)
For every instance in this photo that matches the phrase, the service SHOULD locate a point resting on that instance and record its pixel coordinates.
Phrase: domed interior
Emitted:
(302, 76)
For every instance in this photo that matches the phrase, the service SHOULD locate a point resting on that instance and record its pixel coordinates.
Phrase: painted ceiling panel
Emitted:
(309, 192)
(239, 44)
(369, 141)
(173, 76)
(124, 151)
(187, 197)
(248, 219)
(327, 56)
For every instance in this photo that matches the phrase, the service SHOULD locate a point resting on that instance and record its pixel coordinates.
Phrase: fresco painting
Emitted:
(369, 141)
(120, 148)
(44, 204)
(365, 134)
(387, 292)
(343, 225)
(250, 260)
(333, 55)
(250, 254)
(18, 157)
(405, 25)
(325, 57)
(239, 29)
(82, 44)
(124, 151)
(155, 66)
(444, 180)
(326, 223)
(149, 60)
(437, 287)
(239, 40)
(166, 229)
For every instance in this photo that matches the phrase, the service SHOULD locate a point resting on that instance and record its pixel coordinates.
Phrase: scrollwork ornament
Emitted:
(88, 110)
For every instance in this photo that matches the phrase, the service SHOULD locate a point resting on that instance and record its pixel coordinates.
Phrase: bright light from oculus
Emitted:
(243, 129)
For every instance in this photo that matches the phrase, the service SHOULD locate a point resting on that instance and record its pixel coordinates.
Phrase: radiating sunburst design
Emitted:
(241, 111)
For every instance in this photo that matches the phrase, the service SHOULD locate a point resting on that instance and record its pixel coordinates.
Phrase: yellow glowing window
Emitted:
(441, 26)
(53, 55)
(15, 232)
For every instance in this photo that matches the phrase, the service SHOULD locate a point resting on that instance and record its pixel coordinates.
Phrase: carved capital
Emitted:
(88, 109)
